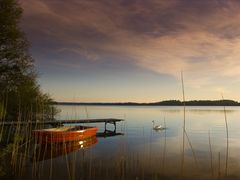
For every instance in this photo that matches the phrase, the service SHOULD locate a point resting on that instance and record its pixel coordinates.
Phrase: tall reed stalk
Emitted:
(184, 122)
(193, 152)
(219, 165)
(226, 123)
(164, 149)
(3, 111)
(211, 156)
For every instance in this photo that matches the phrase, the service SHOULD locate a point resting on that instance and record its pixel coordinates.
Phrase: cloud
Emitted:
(202, 38)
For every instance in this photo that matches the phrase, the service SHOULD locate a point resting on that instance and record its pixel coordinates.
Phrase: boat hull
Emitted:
(58, 135)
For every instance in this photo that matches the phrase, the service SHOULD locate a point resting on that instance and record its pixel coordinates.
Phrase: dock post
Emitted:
(105, 126)
(114, 126)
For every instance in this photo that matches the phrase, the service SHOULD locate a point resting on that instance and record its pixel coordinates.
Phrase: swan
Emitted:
(157, 127)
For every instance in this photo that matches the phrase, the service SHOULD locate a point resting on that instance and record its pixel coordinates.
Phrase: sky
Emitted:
(135, 50)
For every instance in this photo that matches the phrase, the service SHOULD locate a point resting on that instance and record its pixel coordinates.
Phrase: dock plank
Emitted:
(57, 122)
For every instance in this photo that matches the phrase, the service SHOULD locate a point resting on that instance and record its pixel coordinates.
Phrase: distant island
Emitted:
(160, 103)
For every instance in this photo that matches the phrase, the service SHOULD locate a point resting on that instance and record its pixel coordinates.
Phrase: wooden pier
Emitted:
(56, 123)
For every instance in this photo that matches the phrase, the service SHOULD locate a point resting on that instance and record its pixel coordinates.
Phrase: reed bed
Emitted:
(123, 165)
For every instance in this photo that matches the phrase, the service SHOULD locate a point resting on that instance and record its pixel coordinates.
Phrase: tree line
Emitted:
(20, 95)
(161, 103)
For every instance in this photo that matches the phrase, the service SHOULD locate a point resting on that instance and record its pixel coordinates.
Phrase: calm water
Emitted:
(142, 153)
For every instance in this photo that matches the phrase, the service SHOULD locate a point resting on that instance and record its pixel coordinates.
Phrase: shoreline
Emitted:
(161, 103)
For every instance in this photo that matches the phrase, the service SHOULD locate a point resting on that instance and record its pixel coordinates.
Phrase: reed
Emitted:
(211, 156)
(219, 165)
(193, 152)
(184, 124)
(67, 160)
(164, 149)
(3, 109)
(226, 123)
(51, 161)
(74, 161)
(90, 166)
(19, 138)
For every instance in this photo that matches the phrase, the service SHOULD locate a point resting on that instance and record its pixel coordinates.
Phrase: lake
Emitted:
(143, 153)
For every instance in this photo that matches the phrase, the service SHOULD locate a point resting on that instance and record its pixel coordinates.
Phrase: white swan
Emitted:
(157, 127)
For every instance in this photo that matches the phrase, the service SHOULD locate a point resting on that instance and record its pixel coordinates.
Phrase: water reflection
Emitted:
(108, 133)
(49, 151)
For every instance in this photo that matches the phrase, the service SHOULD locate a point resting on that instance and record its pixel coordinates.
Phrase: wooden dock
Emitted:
(61, 122)
(56, 123)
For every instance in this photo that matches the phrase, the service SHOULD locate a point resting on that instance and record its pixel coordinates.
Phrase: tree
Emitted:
(16, 64)
(18, 85)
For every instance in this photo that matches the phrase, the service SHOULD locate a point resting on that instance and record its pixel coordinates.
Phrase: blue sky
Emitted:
(134, 50)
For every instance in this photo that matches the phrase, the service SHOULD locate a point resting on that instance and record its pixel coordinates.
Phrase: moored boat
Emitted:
(64, 134)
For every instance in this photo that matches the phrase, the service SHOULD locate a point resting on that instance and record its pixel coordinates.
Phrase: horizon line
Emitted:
(127, 102)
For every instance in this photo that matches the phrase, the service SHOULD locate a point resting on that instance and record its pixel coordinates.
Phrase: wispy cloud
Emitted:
(202, 38)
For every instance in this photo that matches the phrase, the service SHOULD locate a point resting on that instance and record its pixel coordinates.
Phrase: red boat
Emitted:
(64, 134)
